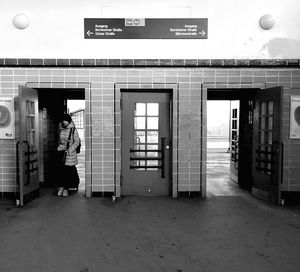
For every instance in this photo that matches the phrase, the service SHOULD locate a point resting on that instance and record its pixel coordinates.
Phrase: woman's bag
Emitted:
(62, 155)
(79, 146)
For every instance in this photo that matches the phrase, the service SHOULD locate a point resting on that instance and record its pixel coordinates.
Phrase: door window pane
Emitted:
(152, 123)
(139, 123)
(234, 113)
(263, 108)
(140, 109)
(152, 154)
(140, 163)
(139, 137)
(152, 137)
(31, 142)
(261, 138)
(152, 147)
(262, 123)
(152, 109)
(271, 107)
(32, 123)
(270, 138)
(139, 147)
(270, 122)
(29, 107)
(152, 163)
(139, 154)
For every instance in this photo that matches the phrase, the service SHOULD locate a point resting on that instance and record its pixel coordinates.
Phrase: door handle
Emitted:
(28, 161)
(163, 147)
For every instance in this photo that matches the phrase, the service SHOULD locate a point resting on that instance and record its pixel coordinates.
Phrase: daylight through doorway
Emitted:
(219, 147)
(76, 108)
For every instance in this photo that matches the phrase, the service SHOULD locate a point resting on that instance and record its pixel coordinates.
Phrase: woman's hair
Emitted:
(66, 117)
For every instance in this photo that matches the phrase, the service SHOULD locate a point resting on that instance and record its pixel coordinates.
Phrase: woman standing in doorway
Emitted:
(69, 141)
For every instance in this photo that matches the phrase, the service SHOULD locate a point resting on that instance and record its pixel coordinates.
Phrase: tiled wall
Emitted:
(291, 147)
(100, 116)
(192, 84)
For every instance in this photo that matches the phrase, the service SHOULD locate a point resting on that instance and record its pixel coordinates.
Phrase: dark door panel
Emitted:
(145, 143)
(28, 145)
(267, 144)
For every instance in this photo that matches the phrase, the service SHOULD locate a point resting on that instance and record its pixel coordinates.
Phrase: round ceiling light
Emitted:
(21, 21)
(267, 21)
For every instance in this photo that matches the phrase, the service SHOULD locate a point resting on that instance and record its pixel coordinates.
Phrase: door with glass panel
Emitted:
(27, 145)
(267, 144)
(145, 143)
(234, 139)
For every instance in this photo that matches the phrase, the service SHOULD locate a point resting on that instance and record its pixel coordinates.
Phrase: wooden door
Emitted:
(28, 145)
(234, 139)
(267, 144)
(145, 143)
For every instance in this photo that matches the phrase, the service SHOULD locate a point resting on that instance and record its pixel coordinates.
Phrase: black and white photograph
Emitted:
(148, 136)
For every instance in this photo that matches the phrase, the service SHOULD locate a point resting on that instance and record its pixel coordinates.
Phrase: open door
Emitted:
(234, 139)
(27, 145)
(267, 145)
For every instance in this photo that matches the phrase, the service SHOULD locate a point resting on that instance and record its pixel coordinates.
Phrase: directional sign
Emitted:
(137, 28)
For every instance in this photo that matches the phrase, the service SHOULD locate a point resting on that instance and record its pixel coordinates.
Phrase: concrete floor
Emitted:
(219, 233)
(218, 170)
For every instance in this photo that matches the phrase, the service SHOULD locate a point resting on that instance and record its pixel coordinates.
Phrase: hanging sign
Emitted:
(137, 28)
(7, 118)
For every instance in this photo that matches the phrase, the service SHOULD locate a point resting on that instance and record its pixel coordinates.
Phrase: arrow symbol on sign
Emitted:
(202, 33)
(89, 33)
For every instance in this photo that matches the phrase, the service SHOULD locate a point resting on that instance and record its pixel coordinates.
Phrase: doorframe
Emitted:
(225, 87)
(173, 88)
(88, 121)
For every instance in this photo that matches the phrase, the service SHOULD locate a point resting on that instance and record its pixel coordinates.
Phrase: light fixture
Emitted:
(267, 21)
(21, 21)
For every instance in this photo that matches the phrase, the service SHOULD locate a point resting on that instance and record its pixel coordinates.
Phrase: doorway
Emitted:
(53, 103)
(40, 111)
(229, 141)
(145, 140)
(222, 147)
